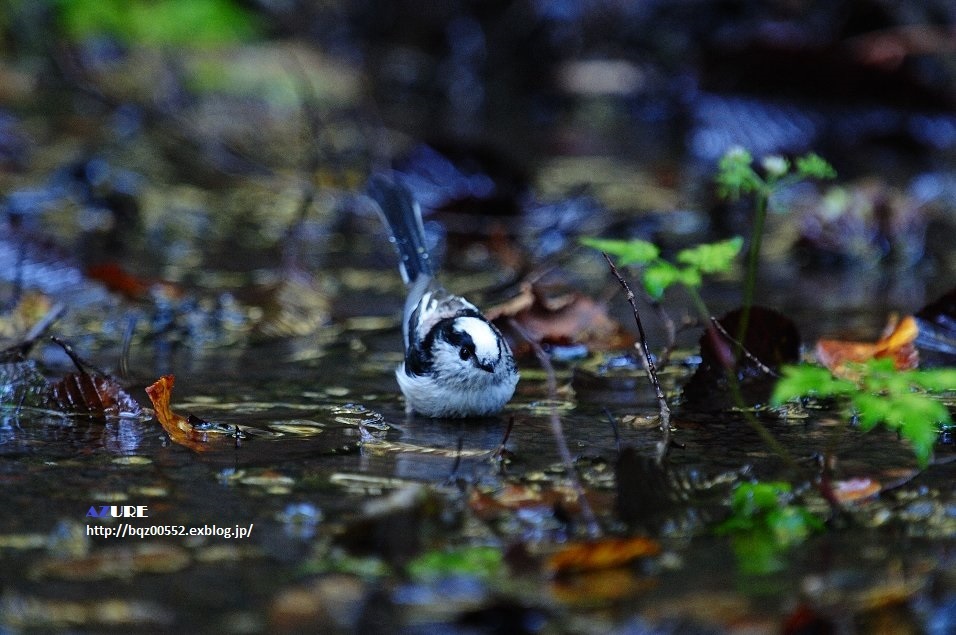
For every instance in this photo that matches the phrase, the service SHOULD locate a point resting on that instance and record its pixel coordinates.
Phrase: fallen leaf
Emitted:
(602, 554)
(897, 344)
(93, 394)
(87, 392)
(178, 427)
(855, 489)
(562, 320)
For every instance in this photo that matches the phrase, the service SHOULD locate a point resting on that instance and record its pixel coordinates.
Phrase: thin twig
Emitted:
(664, 445)
(128, 332)
(743, 349)
(593, 527)
(80, 363)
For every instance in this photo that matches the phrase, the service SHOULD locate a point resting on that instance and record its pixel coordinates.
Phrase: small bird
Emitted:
(457, 364)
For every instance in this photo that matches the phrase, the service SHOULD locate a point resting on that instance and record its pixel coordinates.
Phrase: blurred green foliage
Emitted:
(478, 561)
(764, 524)
(173, 23)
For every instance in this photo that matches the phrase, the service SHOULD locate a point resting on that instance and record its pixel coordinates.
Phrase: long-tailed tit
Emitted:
(457, 364)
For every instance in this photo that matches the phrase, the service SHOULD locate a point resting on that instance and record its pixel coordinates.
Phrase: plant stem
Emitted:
(753, 260)
(765, 435)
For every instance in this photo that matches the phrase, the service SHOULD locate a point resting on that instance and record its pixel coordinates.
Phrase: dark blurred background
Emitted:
(598, 116)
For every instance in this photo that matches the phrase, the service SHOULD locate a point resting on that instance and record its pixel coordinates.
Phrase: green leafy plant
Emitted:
(737, 177)
(879, 394)
(764, 524)
(688, 268)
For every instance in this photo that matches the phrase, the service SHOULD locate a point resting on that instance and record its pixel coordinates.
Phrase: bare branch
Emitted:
(665, 412)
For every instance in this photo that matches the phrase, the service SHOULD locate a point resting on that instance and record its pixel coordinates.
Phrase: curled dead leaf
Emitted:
(897, 344)
(178, 427)
(93, 394)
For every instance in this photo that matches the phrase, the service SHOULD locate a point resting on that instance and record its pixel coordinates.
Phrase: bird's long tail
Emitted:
(402, 215)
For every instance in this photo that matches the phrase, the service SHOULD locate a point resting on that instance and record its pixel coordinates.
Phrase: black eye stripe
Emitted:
(418, 355)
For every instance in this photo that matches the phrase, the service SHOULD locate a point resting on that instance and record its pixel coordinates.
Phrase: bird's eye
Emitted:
(465, 353)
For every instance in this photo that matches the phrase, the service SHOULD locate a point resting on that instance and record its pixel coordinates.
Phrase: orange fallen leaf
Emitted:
(176, 426)
(602, 554)
(897, 344)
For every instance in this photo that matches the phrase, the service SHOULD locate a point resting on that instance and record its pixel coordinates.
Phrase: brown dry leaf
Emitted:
(602, 554)
(515, 497)
(176, 426)
(568, 318)
(897, 343)
(93, 394)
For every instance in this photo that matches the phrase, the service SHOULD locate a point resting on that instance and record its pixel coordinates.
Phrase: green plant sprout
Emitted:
(736, 177)
(764, 523)
(657, 274)
(879, 394)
